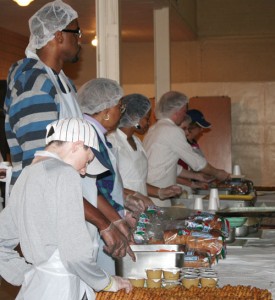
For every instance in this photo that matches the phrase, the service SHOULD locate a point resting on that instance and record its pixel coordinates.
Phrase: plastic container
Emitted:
(137, 282)
(236, 221)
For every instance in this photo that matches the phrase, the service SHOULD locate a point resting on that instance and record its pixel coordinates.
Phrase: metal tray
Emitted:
(150, 256)
(259, 212)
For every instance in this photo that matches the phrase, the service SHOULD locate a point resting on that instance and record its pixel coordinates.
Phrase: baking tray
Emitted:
(150, 256)
(259, 212)
(248, 197)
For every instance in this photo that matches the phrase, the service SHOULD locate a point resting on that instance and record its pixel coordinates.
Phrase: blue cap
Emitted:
(198, 118)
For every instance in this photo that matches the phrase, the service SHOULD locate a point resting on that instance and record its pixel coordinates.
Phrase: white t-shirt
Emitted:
(133, 165)
(165, 143)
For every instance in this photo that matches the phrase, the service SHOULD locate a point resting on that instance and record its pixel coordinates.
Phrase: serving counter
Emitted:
(252, 264)
(251, 260)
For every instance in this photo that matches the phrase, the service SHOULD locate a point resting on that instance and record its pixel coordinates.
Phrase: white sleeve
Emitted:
(186, 152)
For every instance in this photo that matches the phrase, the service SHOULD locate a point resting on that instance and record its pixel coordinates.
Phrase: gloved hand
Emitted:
(170, 191)
(222, 175)
(123, 227)
(118, 283)
(146, 200)
(134, 204)
(116, 243)
(131, 220)
(199, 185)
(204, 177)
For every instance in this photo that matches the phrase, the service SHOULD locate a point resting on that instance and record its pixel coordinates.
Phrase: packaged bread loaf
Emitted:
(196, 259)
(202, 242)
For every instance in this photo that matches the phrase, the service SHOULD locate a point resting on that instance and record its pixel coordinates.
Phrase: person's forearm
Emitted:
(188, 174)
(184, 181)
(217, 173)
(106, 209)
(94, 216)
(152, 190)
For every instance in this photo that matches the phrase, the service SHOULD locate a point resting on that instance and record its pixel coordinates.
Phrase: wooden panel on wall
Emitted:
(216, 143)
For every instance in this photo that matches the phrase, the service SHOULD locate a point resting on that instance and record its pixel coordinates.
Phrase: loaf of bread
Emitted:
(194, 240)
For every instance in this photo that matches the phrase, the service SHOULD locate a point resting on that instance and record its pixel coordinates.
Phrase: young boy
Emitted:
(45, 215)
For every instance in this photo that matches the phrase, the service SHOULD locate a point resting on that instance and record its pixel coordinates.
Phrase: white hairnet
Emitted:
(137, 106)
(98, 94)
(52, 17)
(169, 103)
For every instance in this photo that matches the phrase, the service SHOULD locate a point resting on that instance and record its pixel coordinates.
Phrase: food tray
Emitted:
(150, 256)
(259, 212)
(248, 197)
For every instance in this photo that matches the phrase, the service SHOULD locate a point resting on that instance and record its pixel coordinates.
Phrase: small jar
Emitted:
(209, 280)
(190, 280)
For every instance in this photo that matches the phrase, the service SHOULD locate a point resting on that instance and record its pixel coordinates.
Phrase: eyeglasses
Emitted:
(77, 32)
(122, 108)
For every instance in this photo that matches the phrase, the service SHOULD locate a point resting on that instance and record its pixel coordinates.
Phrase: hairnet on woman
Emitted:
(137, 106)
(132, 161)
(100, 101)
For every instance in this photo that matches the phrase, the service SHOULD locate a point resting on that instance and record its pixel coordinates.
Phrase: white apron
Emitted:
(68, 101)
(51, 280)
(105, 261)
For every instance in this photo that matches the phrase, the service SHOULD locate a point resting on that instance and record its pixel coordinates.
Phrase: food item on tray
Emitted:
(237, 186)
(227, 292)
(137, 281)
(155, 273)
(190, 280)
(171, 273)
(153, 283)
(209, 280)
(203, 242)
(196, 259)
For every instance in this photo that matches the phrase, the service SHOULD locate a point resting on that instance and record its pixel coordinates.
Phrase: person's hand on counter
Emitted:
(135, 204)
(223, 175)
(199, 185)
(170, 191)
(123, 227)
(118, 283)
(117, 244)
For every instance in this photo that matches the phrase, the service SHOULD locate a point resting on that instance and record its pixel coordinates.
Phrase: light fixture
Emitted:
(94, 41)
(23, 2)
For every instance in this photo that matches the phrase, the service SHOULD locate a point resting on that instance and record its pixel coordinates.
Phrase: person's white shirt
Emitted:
(132, 164)
(165, 143)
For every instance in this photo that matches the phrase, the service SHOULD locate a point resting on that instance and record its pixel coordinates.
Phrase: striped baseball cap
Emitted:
(76, 129)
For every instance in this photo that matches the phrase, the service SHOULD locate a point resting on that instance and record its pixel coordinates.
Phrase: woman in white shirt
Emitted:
(131, 157)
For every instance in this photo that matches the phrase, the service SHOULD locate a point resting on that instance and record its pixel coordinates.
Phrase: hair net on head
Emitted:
(52, 17)
(169, 103)
(137, 106)
(98, 94)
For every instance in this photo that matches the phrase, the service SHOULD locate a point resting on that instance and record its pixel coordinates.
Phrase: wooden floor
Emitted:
(7, 291)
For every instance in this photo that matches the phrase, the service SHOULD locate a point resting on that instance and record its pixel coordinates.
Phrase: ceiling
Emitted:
(136, 19)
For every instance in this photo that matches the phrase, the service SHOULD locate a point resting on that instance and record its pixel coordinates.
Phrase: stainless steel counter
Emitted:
(251, 264)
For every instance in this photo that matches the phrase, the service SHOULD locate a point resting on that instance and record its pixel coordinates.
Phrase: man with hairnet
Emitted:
(165, 143)
(39, 92)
